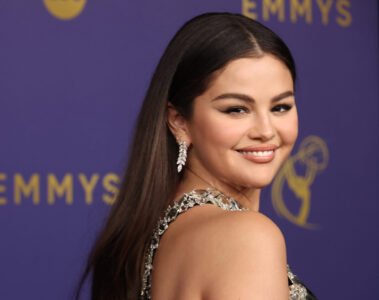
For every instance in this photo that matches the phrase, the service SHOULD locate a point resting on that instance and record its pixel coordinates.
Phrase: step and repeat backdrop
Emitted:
(73, 74)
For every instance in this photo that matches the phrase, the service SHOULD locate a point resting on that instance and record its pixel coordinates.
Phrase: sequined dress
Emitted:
(297, 290)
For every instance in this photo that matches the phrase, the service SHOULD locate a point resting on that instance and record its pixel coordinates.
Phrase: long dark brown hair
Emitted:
(202, 46)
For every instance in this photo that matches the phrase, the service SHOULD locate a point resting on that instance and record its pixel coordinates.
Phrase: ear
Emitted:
(177, 124)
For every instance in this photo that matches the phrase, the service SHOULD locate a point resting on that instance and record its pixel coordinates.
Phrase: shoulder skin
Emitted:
(226, 255)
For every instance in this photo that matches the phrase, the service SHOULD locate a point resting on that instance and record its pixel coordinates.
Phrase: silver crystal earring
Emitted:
(182, 157)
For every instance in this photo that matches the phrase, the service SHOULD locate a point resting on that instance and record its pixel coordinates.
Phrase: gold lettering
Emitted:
(109, 182)
(88, 186)
(325, 10)
(56, 188)
(26, 189)
(247, 9)
(342, 7)
(304, 8)
(3, 189)
(276, 6)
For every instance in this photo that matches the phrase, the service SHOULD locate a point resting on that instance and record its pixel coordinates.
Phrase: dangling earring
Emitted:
(182, 155)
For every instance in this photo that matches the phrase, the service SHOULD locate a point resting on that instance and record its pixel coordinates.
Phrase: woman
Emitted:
(217, 122)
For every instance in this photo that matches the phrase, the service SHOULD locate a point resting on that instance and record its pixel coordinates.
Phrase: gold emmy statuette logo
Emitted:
(312, 158)
(65, 9)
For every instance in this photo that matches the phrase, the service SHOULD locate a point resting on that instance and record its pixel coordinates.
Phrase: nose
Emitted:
(262, 128)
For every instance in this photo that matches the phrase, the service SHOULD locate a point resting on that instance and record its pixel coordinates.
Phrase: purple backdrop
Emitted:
(73, 74)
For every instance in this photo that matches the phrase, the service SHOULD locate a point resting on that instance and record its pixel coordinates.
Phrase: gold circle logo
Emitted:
(65, 9)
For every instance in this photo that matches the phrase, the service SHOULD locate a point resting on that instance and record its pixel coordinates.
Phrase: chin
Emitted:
(259, 183)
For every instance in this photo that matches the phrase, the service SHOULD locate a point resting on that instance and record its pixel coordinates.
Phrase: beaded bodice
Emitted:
(200, 197)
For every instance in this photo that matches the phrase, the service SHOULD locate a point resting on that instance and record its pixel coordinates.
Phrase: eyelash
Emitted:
(241, 109)
(286, 107)
(236, 109)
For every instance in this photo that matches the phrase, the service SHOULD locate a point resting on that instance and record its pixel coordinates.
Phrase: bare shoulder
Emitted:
(208, 253)
(238, 255)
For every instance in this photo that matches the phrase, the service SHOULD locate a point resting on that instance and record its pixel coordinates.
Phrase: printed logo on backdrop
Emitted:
(65, 9)
(52, 189)
(296, 177)
(323, 12)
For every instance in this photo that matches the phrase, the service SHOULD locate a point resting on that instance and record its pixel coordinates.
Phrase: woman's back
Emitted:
(213, 253)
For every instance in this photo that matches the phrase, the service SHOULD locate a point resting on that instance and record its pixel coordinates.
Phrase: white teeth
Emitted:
(258, 153)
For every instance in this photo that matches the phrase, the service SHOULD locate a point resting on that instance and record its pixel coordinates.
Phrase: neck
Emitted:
(247, 197)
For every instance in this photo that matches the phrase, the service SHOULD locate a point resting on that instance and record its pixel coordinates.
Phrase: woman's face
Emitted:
(245, 125)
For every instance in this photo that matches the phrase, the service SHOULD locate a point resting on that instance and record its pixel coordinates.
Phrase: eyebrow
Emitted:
(247, 98)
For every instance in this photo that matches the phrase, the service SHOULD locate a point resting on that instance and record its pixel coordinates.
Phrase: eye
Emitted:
(236, 110)
(281, 108)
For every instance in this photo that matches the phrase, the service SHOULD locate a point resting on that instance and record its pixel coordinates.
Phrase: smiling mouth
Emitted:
(264, 156)
(258, 153)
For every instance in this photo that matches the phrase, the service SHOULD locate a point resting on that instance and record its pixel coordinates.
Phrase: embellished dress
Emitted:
(297, 290)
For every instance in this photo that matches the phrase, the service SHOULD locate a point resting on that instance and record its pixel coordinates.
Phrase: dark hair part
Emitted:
(203, 45)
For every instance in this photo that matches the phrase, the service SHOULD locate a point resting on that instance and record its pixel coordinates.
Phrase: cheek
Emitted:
(289, 130)
(216, 130)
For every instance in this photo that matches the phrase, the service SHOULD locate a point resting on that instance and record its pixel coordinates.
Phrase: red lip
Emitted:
(259, 148)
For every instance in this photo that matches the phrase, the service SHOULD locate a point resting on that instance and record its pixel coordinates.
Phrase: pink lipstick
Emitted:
(259, 154)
